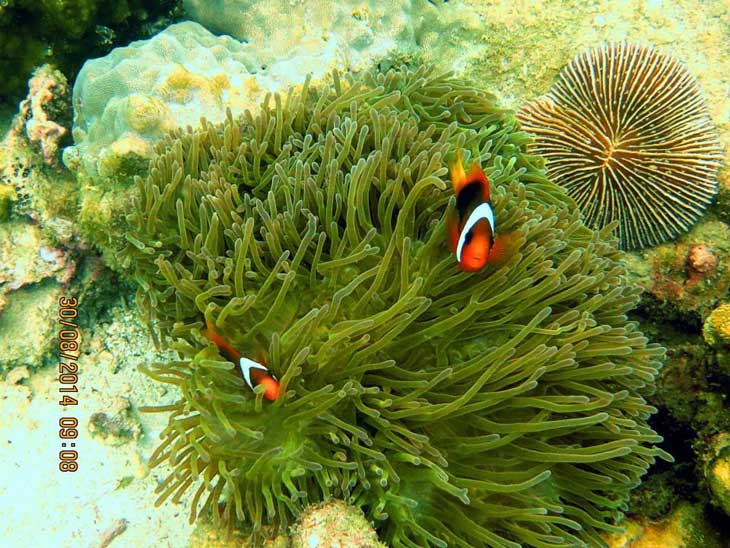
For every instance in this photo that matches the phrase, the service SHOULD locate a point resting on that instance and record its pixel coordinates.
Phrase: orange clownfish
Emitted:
(471, 226)
(253, 372)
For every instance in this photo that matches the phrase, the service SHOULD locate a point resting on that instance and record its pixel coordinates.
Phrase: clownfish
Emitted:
(253, 372)
(471, 226)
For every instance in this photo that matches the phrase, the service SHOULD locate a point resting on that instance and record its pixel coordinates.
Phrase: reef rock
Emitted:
(686, 527)
(44, 113)
(333, 524)
(314, 36)
(124, 102)
(717, 471)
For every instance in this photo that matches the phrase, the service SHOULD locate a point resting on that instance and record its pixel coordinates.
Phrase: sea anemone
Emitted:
(500, 408)
(625, 130)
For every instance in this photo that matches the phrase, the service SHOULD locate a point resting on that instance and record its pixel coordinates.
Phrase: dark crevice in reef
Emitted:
(98, 290)
(67, 34)
(667, 483)
(718, 520)
(656, 315)
(692, 409)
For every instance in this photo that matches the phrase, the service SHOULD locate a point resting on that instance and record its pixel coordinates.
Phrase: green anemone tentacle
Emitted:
(501, 408)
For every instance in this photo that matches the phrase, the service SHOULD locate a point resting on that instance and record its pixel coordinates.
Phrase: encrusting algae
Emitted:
(716, 329)
(717, 471)
(685, 527)
(498, 408)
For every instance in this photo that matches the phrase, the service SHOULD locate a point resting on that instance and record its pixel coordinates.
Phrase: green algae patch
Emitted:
(66, 32)
(101, 219)
(498, 408)
(7, 197)
(28, 333)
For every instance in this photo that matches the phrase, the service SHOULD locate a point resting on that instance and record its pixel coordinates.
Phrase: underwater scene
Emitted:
(365, 274)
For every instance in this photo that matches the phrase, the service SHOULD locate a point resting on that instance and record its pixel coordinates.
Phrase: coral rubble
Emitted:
(115, 426)
(333, 524)
(45, 115)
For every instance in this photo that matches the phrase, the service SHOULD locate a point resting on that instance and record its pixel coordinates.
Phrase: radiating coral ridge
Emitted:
(626, 131)
(500, 408)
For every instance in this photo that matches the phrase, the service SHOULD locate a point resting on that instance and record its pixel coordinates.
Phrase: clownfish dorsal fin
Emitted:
(458, 175)
(477, 175)
(460, 178)
(223, 346)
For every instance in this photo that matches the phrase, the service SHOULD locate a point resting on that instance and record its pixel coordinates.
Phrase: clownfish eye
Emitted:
(468, 237)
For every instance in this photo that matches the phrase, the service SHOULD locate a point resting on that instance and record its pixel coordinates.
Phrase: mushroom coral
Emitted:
(500, 408)
(626, 131)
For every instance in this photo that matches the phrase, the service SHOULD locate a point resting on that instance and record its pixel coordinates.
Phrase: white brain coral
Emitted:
(137, 93)
(126, 101)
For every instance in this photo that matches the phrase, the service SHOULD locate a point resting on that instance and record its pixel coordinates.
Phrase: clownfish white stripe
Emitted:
(482, 211)
(246, 366)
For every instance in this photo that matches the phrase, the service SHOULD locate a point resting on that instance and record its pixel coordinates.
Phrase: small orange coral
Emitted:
(701, 263)
(39, 112)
